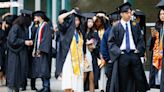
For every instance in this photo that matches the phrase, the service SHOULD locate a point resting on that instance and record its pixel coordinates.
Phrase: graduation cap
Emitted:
(78, 13)
(41, 14)
(89, 15)
(124, 7)
(138, 12)
(25, 12)
(160, 4)
(114, 16)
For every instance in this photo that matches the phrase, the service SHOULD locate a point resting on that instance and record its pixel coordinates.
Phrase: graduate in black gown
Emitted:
(113, 18)
(41, 63)
(6, 26)
(17, 61)
(90, 60)
(126, 47)
(30, 35)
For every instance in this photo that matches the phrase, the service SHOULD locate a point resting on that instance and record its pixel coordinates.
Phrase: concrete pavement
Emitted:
(56, 84)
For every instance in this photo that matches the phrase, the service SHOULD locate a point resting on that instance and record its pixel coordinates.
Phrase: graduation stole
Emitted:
(76, 52)
(38, 36)
(101, 32)
(158, 51)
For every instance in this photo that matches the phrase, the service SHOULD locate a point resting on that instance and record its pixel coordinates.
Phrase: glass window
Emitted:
(29, 5)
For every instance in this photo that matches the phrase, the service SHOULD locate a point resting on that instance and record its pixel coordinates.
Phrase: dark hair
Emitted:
(159, 23)
(10, 19)
(86, 25)
(23, 21)
(79, 27)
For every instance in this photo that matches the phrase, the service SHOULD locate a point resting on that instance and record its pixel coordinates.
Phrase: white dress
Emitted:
(69, 80)
(89, 59)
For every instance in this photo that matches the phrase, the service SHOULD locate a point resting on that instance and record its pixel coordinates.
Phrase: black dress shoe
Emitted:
(34, 88)
(102, 91)
(22, 89)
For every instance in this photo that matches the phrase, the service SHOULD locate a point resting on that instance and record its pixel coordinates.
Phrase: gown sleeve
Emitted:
(46, 43)
(14, 42)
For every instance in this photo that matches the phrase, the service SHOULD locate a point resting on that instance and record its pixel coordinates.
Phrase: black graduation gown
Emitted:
(41, 66)
(95, 55)
(30, 49)
(67, 30)
(17, 62)
(2, 49)
(114, 43)
(66, 33)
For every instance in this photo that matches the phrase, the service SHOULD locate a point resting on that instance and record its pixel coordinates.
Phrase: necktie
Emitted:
(127, 39)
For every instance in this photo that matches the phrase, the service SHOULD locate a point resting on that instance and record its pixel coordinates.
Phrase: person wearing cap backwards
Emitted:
(41, 62)
(17, 58)
(71, 51)
(126, 47)
(157, 47)
(113, 18)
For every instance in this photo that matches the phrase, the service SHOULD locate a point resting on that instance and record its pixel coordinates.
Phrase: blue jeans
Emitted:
(46, 82)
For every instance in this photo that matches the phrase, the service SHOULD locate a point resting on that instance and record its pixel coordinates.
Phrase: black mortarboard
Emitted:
(89, 15)
(25, 12)
(78, 13)
(114, 16)
(124, 7)
(138, 12)
(39, 13)
(160, 4)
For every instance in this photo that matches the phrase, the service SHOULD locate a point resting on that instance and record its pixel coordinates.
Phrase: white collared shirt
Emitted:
(29, 29)
(123, 45)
